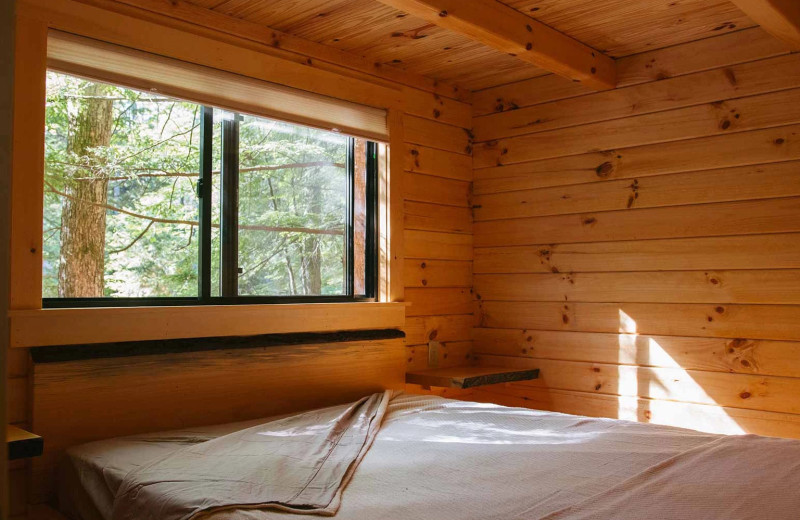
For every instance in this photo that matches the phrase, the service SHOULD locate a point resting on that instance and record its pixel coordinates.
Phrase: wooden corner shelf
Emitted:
(469, 376)
(22, 444)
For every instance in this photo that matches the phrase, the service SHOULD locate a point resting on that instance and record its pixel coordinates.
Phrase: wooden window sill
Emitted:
(74, 326)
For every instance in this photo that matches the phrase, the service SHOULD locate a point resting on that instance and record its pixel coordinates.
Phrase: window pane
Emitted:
(120, 205)
(360, 217)
(293, 209)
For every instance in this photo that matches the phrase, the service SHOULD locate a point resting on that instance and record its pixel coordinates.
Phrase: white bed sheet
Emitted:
(436, 458)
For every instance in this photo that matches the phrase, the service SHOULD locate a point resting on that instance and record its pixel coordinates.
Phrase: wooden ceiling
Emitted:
(386, 35)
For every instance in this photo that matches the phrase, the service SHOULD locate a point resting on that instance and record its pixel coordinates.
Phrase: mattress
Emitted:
(445, 459)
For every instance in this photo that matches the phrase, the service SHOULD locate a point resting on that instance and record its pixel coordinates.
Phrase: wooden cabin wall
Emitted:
(437, 203)
(641, 246)
(6, 121)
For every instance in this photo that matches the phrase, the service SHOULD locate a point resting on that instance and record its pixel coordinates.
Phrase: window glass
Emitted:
(291, 207)
(120, 206)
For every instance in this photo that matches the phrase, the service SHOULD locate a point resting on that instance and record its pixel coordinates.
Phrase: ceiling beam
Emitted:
(780, 18)
(506, 29)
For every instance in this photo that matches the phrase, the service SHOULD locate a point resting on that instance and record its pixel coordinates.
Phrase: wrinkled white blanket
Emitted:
(298, 464)
(439, 459)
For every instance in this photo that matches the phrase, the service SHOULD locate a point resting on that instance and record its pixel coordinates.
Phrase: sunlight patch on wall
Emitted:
(638, 385)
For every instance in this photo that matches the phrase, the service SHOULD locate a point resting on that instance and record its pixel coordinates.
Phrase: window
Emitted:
(154, 200)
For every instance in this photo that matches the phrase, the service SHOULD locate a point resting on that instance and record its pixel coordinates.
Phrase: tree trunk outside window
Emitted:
(83, 215)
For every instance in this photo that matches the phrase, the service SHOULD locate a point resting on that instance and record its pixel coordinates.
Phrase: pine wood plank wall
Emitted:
(438, 241)
(437, 224)
(642, 246)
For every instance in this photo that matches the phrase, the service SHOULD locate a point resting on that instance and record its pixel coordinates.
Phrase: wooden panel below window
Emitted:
(85, 400)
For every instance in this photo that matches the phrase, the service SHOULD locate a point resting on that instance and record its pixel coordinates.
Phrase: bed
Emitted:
(446, 459)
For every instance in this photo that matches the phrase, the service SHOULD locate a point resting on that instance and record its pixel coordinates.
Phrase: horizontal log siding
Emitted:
(641, 246)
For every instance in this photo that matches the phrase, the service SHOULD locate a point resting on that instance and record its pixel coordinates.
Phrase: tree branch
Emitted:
(159, 220)
(215, 172)
(140, 235)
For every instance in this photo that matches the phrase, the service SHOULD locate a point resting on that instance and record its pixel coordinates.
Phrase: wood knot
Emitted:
(424, 282)
(720, 309)
(588, 221)
(529, 28)
(598, 386)
(737, 343)
(436, 113)
(433, 334)
(725, 124)
(780, 141)
(604, 170)
(745, 395)
(565, 318)
(528, 46)
(648, 414)
(594, 70)
(423, 265)
(442, 13)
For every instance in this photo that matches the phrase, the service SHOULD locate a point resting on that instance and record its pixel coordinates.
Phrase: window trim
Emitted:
(213, 49)
(229, 231)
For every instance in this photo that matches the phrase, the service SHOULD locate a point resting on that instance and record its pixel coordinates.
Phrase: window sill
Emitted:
(46, 327)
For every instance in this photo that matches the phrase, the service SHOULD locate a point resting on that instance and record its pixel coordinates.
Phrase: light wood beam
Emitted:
(506, 29)
(780, 18)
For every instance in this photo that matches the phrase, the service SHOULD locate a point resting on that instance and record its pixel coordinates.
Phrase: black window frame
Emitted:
(229, 232)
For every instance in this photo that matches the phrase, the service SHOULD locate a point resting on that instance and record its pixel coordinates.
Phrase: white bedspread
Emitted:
(453, 460)
(299, 464)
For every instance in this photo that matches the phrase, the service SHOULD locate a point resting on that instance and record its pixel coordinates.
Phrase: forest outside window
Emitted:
(152, 200)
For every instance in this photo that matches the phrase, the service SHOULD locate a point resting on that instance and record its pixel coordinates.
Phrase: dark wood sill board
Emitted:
(22, 444)
(469, 376)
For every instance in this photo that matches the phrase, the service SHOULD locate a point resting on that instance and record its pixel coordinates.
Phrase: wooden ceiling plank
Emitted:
(510, 31)
(780, 18)
(201, 17)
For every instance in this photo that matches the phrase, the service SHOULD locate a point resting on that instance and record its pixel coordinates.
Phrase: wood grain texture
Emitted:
(654, 65)
(78, 326)
(449, 354)
(454, 328)
(468, 376)
(779, 73)
(778, 322)
(746, 148)
(81, 401)
(781, 18)
(686, 189)
(437, 273)
(778, 251)
(738, 355)
(620, 28)
(442, 246)
(512, 32)
(722, 219)
(709, 418)
(780, 286)
(638, 245)
(436, 301)
(775, 394)
(422, 159)
(27, 191)
(730, 116)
